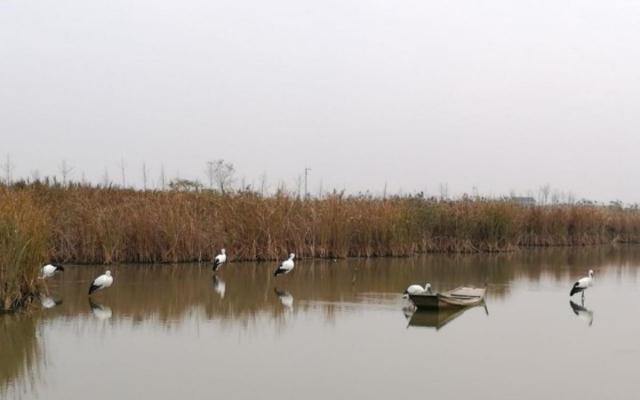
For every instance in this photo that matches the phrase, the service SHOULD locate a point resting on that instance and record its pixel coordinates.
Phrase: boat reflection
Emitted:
(582, 312)
(435, 318)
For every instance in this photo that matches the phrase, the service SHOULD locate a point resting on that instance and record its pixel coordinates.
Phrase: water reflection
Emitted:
(285, 298)
(49, 302)
(582, 312)
(20, 355)
(435, 318)
(99, 311)
(346, 301)
(219, 286)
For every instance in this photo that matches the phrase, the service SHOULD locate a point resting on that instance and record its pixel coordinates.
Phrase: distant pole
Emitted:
(306, 177)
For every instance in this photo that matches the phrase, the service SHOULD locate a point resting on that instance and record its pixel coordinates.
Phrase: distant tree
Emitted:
(185, 185)
(123, 172)
(444, 191)
(162, 177)
(223, 174)
(35, 175)
(65, 171)
(106, 182)
(544, 193)
(145, 173)
(7, 168)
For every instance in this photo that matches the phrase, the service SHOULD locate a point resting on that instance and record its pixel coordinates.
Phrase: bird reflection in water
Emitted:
(49, 302)
(99, 311)
(285, 298)
(219, 286)
(582, 312)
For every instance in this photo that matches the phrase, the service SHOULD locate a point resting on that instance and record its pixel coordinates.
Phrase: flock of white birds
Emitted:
(106, 280)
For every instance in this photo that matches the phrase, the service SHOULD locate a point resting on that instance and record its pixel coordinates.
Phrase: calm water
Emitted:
(333, 330)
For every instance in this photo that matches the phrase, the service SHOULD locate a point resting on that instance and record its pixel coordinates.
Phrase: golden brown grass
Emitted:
(23, 245)
(83, 224)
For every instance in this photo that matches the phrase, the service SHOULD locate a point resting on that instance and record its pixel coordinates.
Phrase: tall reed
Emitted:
(23, 246)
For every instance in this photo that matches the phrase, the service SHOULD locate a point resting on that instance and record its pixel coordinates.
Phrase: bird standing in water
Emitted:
(582, 284)
(102, 282)
(285, 267)
(219, 260)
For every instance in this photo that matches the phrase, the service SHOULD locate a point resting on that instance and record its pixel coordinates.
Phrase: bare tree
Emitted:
(263, 183)
(162, 177)
(35, 175)
(299, 185)
(122, 171)
(544, 193)
(223, 174)
(145, 172)
(7, 167)
(210, 173)
(105, 178)
(65, 171)
(444, 191)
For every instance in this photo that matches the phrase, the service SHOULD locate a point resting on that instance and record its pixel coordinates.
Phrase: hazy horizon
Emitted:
(493, 97)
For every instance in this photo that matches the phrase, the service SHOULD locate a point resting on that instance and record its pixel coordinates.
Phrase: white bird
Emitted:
(99, 311)
(285, 298)
(286, 266)
(219, 286)
(219, 260)
(102, 282)
(50, 269)
(417, 289)
(582, 284)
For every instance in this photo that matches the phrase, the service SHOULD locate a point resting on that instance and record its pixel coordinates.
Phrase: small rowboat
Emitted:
(458, 297)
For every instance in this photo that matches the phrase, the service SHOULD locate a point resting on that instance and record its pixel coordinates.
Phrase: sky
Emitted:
(492, 96)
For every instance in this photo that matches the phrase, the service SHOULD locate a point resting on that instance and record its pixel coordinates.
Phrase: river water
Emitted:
(333, 330)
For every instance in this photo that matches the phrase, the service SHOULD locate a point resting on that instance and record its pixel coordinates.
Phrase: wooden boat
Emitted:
(459, 297)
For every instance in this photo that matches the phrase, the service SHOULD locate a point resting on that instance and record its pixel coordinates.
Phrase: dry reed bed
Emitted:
(83, 224)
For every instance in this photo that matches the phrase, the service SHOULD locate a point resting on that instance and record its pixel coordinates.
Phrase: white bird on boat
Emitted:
(219, 260)
(417, 289)
(102, 282)
(50, 270)
(219, 286)
(286, 266)
(582, 284)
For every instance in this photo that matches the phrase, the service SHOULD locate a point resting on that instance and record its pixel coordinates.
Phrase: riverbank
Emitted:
(93, 225)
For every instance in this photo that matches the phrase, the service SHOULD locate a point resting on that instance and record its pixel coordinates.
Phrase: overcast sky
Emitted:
(501, 95)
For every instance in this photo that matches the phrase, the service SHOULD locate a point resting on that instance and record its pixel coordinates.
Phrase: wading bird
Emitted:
(219, 260)
(417, 289)
(102, 282)
(582, 284)
(50, 269)
(285, 267)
